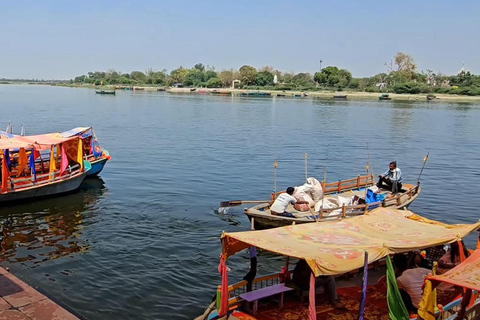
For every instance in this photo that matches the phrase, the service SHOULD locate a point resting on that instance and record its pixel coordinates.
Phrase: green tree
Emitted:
(227, 77)
(177, 75)
(194, 77)
(264, 78)
(248, 75)
(214, 83)
(200, 67)
(138, 76)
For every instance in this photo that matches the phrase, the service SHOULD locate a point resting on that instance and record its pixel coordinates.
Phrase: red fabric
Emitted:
(312, 310)
(63, 161)
(36, 154)
(222, 269)
(5, 174)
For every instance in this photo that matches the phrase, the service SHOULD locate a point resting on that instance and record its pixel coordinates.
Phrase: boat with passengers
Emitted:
(334, 200)
(355, 251)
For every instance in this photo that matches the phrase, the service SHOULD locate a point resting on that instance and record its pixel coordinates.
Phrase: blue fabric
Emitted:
(31, 165)
(374, 197)
(6, 154)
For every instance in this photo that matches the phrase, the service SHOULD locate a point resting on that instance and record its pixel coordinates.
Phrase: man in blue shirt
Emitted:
(391, 179)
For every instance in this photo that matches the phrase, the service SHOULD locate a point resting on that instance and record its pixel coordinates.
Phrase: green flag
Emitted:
(396, 307)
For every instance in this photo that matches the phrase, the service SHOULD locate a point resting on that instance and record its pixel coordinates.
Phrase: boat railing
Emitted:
(18, 184)
(340, 186)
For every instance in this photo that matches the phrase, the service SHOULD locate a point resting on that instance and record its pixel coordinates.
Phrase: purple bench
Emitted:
(254, 296)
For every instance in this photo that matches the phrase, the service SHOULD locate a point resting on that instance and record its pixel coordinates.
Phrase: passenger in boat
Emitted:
(451, 258)
(301, 279)
(280, 205)
(391, 179)
(410, 281)
(434, 254)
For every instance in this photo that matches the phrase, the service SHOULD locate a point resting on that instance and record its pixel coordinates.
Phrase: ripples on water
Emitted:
(142, 241)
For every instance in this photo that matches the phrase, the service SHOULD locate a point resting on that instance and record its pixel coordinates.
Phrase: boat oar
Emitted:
(235, 203)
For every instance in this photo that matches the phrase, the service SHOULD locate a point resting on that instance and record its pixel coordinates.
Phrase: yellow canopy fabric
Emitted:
(335, 247)
(466, 274)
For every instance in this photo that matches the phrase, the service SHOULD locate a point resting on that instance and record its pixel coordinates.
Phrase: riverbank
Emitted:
(350, 95)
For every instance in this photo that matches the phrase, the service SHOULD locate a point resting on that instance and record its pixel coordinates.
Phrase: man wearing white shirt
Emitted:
(280, 205)
(391, 179)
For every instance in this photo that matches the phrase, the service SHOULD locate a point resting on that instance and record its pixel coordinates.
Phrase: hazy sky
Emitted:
(63, 39)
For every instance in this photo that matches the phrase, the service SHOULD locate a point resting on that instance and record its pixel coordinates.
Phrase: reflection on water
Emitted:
(48, 229)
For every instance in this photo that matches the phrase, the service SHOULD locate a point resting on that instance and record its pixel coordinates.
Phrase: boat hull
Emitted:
(58, 187)
(98, 164)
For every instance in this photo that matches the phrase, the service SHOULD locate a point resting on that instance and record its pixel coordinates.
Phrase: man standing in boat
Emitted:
(391, 179)
(280, 205)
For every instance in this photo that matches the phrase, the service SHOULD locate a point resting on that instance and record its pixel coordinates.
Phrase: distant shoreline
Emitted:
(351, 95)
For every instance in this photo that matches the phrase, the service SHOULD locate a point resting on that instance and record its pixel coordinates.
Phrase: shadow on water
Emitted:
(48, 229)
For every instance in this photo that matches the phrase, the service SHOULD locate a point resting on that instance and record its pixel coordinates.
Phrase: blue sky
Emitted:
(63, 39)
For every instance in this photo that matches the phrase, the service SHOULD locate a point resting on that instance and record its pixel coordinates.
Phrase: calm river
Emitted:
(142, 241)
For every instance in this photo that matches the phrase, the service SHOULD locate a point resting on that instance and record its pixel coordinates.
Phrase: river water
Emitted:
(142, 241)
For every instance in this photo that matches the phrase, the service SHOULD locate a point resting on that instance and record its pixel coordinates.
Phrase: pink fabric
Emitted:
(222, 269)
(63, 161)
(312, 310)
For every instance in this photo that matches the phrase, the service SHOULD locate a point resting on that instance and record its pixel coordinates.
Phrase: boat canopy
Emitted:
(466, 274)
(38, 142)
(336, 247)
(84, 131)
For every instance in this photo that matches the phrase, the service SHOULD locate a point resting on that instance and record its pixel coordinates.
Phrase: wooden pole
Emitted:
(306, 171)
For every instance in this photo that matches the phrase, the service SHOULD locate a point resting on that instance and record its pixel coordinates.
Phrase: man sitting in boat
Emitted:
(410, 281)
(280, 205)
(301, 279)
(391, 179)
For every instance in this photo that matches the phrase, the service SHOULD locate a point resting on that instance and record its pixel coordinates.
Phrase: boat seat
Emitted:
(254, 296)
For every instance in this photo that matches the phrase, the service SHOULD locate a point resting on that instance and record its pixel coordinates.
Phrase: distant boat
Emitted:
(255, 94)
(431, 97)
(384, 96)
(105, 92)
(340, 96)
(161, 89)
(225, 93)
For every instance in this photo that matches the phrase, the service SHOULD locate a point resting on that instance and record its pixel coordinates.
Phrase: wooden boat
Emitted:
(40, 179)
(105, 92)
(340, 96)
(92, 151)
(384, 96)
(223, 93)
(430, 97)
(256, 94)
(261, 217)
(355, 247)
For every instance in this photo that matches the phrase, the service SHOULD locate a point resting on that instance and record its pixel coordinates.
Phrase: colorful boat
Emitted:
(334, 204)
(105, 92)
(92, 151)
(27, 176)
(360, 246)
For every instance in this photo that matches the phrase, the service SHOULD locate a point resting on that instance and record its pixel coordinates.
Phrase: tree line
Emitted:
(401, 76)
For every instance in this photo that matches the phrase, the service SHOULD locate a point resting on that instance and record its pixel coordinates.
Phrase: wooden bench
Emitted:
(254, 296)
